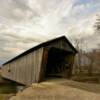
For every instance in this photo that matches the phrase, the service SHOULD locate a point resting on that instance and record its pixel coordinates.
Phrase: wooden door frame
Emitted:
(43, 64)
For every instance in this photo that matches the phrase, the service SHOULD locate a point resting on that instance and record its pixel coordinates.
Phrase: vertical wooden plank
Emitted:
(28, 68)
(25, 69)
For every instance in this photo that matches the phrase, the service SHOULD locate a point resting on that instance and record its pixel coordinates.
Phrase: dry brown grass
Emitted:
(58, 90)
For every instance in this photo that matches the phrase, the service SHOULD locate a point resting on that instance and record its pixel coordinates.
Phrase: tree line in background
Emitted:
(88, 62)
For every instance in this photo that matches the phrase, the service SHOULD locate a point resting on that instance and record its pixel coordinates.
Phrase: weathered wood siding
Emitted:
(26, 69)
(61, 44)
(31, 67)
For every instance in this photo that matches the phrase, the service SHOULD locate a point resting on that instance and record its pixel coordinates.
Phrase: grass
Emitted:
(5, 96)
(83, 77)
(59, 89)
(7, 89)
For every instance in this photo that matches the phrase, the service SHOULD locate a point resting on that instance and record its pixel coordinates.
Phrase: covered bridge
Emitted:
(53, 58)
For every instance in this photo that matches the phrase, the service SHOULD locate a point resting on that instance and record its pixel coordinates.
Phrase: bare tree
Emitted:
(94, 58)
(91, 58)
(79, 46)
(97, 24)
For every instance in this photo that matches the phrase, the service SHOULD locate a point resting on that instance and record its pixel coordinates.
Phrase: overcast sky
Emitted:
(25, 23)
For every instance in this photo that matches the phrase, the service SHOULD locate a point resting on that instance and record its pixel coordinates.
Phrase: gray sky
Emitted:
(25, 23)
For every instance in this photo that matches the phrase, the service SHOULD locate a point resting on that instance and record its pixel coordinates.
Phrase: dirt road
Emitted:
(59, 89)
